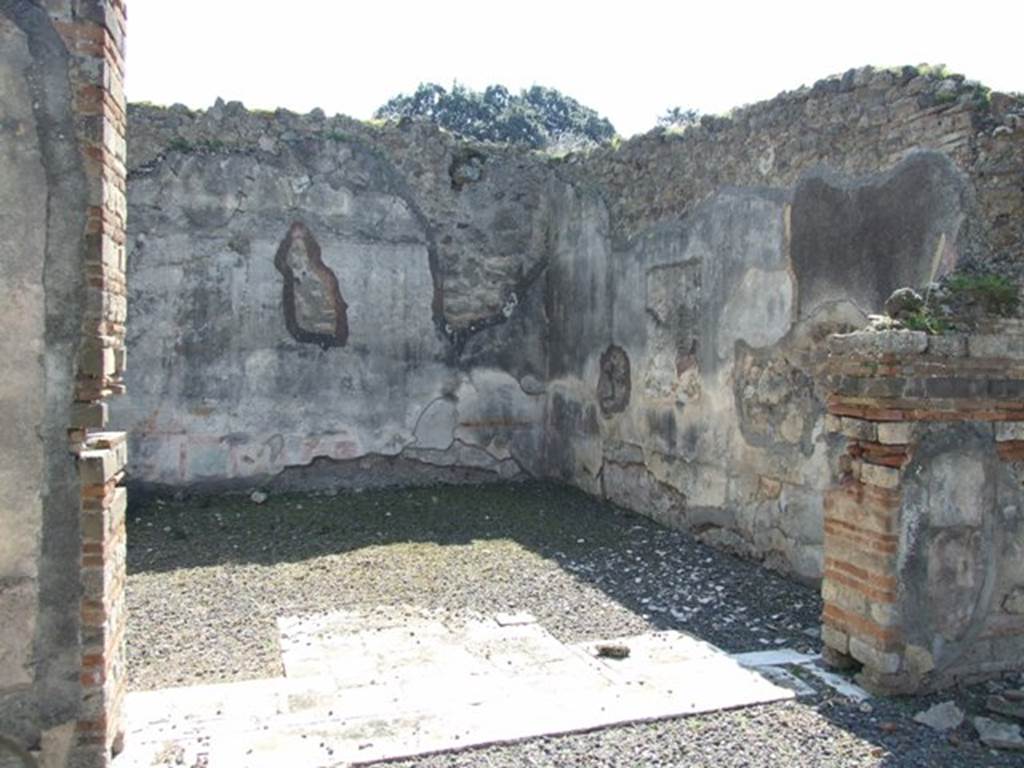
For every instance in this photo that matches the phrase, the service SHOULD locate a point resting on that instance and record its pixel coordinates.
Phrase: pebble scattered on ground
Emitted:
(208, 578)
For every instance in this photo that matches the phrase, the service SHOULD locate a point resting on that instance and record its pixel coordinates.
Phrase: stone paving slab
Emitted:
(362, 687)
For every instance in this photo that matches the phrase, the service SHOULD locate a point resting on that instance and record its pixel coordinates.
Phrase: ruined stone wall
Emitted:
(729, 251)
(324, 301)
(853, 125)
(62, 210)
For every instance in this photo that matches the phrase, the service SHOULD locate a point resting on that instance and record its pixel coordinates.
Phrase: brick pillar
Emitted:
(862, 526)
(100, 727)
(921, 566)
(94, 33)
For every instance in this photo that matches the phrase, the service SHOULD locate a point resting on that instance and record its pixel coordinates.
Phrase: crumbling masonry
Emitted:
(924, 529)
(320, 302)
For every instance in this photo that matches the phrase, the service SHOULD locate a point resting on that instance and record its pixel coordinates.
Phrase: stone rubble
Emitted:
(998, 734)
(945, 716)
(1003, 705)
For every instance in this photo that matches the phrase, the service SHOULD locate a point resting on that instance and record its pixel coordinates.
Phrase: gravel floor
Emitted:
(207, 578)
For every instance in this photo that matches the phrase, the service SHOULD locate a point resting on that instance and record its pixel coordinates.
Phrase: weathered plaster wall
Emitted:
(62, 305)
(729, 251)
(23, 188)
(719, 312)
(962, 565)
(641, 321)
(314, 292)
(40, 280)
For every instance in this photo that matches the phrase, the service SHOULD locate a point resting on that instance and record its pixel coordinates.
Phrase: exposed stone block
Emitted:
(856, 429)
(884, 612)
(996, 345)
(835, 639)
(1009, 430)
(855, 507)
(97, 366)
(844, 596)
(883, 477)
(918, 661)
(621, 452)
(886, 662)
(895, 433)
(89, 415)
(1007, 651)
(948, 345)
(857, 625)
(878, 343)
(98, 466)
(102, 440)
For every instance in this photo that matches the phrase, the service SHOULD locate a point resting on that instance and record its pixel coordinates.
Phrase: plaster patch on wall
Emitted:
(956, 572)
(948, 562)
(860, 239)
(759, 311)
(613, 384)
(673, 331)
(314, 310)
(17, 605)
(775, 400)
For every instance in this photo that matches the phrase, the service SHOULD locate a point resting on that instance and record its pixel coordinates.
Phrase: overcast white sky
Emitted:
(628, 60)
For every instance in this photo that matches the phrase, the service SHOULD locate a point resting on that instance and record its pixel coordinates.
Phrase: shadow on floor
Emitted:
(666, 577)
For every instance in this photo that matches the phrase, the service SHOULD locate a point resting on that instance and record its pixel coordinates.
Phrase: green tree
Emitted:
(538, 117)
(677, 117)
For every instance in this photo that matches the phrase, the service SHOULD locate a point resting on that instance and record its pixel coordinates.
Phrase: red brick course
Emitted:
(883, 638)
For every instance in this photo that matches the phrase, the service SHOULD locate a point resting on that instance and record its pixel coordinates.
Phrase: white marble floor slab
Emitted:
(361, 687)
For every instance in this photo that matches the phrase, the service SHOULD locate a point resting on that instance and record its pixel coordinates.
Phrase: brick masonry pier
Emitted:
(924, 573)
